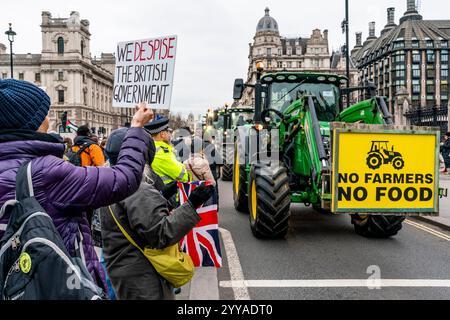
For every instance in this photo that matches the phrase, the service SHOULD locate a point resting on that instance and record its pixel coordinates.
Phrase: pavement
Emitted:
(443, 220)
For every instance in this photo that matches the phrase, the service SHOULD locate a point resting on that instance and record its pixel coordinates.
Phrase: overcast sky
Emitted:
(213, 35)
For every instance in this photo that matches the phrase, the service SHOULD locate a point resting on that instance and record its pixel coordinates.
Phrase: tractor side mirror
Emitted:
(238, 89)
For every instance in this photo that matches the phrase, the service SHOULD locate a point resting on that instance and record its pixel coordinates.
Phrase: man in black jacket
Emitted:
(146, 215)
(445, 149)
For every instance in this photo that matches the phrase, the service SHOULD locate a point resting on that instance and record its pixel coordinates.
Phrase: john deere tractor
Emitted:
(232, 119)
(269, 174)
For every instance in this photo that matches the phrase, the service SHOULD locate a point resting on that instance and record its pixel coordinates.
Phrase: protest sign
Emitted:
(144, 72)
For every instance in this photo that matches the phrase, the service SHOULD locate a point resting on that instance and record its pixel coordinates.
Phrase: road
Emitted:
(324, 247)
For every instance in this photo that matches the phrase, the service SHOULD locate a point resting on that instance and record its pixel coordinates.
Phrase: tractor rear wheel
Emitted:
(374, 161)
(227, 172)
(269, 201)
(239, 184)
(377, 226)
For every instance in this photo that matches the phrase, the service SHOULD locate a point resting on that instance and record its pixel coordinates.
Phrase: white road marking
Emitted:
(236, 273)
(427, 229)
(336, 283)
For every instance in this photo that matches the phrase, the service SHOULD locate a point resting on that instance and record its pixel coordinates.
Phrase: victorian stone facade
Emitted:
(280, 53)
(408, 62)
(65, 69)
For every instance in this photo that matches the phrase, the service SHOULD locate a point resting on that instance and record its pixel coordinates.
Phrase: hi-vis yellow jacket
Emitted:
(167, 166)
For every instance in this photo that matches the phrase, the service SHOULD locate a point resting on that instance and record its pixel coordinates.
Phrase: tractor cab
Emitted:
(286, 92)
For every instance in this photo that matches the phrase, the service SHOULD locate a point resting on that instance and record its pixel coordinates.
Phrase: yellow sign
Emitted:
(25, 262)
(385, 171)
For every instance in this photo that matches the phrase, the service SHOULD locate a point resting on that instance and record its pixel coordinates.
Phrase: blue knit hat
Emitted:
(22, 105)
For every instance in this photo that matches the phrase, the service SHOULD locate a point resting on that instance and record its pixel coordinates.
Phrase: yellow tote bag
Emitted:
(172, 264)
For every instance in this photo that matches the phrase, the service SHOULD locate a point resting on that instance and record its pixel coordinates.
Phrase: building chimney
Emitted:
(411, 5)
(411, 12)
(325, 34)
(372, 29)
(359, 39)
(391, 16)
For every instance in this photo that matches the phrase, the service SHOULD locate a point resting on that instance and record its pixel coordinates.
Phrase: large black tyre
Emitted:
(269, 201)
(239, 184)
(377, 226)
(227, 172)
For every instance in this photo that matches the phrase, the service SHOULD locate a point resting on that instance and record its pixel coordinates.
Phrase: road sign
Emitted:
(385, 169)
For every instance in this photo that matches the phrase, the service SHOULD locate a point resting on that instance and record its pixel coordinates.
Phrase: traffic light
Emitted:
(64, 121)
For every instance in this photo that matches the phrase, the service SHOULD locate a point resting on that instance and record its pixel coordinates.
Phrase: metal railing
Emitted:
(433, 117)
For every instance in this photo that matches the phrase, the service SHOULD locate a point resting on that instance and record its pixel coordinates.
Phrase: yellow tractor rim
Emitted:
(254, 200)
(236, 173)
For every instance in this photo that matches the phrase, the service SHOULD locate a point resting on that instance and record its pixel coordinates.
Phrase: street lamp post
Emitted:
(10, 33)
(345, 29)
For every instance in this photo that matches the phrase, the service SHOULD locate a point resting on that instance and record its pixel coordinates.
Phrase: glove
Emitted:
(200, 195)
(169, 190)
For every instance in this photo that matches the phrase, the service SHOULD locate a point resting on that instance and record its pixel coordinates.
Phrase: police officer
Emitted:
(165, 163)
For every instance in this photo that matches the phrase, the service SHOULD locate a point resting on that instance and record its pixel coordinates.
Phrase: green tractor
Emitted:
(232, 119)
(298, 108)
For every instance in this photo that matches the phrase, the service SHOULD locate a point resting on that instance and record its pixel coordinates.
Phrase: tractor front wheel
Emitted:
(269, 201)
(398, 163)
(227, 172)
(377, 226)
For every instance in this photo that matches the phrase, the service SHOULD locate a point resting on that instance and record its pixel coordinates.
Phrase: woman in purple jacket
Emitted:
(63, 190)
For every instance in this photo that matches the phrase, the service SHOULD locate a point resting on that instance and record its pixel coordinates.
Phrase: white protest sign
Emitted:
(144, 72)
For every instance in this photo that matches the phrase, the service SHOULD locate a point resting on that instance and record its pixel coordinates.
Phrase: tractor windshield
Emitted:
(326, 97)
(240, 119)
(219, 123)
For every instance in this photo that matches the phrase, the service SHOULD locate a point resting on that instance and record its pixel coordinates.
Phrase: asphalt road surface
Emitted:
(323, 258)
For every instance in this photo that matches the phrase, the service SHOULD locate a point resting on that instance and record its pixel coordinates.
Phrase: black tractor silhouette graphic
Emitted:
(380, 154)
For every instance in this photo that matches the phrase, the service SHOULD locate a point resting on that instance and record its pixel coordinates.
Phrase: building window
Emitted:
(416, 56)
(416, 86)
(444, 56)
(60, 96)
(82, 48)
(400, 57)
(444, 44)
(444, 91)
(259, 52)
(60, 45)
(444, 72)
(430, 56)
(60, 76)
(430, 44)
(37, 77)
(415, 44)
(4, 75)
(269, 51)
(431, 71)
(416, 70)
(399, 44)
(289, 64)
(280, 64)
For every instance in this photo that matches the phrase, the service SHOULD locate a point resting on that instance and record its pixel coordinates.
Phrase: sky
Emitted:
(213, 35)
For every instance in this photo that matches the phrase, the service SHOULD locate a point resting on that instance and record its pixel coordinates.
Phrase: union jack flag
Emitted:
(202, 243)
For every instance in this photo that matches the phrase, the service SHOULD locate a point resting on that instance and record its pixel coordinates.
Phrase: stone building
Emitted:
(408, 62)
(65, 69)
(279, 53)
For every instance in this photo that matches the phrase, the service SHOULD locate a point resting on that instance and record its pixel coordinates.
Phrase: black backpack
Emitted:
(75, 157)
(34, 262)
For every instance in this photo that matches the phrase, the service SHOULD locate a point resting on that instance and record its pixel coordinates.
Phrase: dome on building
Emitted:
(267, 23)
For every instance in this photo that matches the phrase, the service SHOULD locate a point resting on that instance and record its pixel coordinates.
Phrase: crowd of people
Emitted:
(132, 175)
